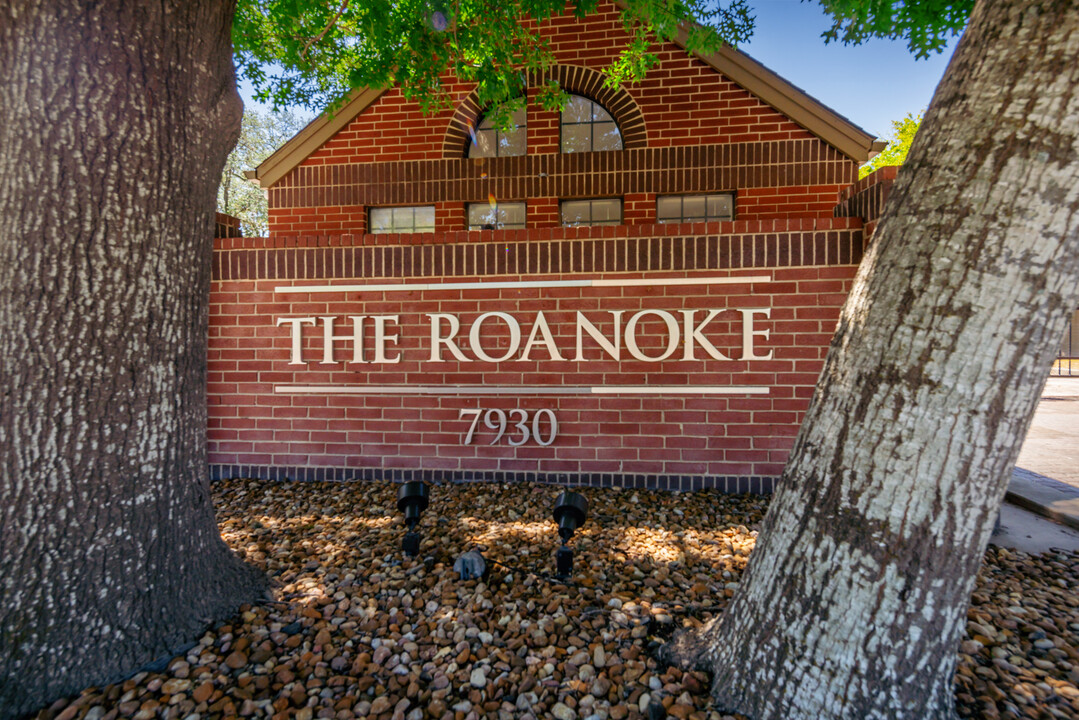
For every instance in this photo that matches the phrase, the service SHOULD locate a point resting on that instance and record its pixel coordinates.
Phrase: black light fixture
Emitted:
(570, 511)
(412, 501)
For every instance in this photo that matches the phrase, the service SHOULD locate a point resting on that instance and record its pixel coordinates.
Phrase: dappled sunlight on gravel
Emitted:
(359, 630)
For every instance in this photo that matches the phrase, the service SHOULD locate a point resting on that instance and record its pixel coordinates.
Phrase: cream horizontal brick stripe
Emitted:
(521, 390)
(523, 284)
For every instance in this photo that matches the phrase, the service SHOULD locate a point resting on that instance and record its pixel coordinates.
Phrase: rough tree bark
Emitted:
(855, 597)
(115, 121)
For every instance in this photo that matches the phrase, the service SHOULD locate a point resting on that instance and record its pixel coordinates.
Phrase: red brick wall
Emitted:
(226, 226)
(684, 101)
(776, 180)
(680, 441)
(866, 198)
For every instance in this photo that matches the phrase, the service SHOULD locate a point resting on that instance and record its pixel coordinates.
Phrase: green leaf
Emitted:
(903, 132)
(925, 25)
(296, 52)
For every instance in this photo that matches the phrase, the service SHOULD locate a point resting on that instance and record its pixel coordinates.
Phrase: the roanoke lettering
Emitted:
(356, 326)
(535, 341)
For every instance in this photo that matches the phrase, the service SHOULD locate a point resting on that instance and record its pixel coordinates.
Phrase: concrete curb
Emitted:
(1044, 496)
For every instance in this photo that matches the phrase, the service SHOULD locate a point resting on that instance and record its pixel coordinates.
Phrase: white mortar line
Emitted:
(524, 284)
(520, 390)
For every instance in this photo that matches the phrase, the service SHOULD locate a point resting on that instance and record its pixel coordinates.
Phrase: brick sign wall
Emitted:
(671, 356)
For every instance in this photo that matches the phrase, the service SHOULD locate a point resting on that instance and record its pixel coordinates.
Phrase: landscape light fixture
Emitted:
(412, 501)
(570, 511)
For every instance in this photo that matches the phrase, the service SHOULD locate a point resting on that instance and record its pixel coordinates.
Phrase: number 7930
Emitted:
(499, 421)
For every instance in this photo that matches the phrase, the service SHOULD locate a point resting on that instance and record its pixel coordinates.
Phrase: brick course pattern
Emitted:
(865, 199)
(226, 226)
(683, 102)
(774, 180)
(733, 442)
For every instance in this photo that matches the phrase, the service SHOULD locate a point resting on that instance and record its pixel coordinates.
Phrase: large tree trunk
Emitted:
(115, 120)
(855, 597)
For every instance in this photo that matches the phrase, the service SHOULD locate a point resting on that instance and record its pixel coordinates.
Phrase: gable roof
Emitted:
(799, 106)
(795, 103)
(311, 138)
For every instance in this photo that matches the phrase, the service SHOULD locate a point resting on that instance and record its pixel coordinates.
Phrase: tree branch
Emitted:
(329, 25)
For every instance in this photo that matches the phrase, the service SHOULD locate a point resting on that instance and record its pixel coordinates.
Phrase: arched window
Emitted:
(587, 126)
(489, 141)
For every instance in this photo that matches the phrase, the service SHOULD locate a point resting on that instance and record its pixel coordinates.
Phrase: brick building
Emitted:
(637, 290)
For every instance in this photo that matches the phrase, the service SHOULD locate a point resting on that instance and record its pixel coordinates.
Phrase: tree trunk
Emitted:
(115, 120)
(855, 597)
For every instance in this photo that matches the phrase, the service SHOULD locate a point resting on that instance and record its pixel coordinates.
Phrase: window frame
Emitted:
(524, 220)
(682, 216)
(590, 223)
(591, 124)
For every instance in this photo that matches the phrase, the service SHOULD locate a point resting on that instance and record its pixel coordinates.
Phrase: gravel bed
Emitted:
(361, 631)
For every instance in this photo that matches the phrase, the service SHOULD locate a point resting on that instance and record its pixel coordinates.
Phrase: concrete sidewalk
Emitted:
(1045, 496)
(1046, 477)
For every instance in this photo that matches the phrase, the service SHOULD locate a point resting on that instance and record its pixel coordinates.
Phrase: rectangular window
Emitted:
(498, 216)
(417, 219)
(607, 211)
(695, 208)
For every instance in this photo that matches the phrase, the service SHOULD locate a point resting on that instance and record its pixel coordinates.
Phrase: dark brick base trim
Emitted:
(724, 483)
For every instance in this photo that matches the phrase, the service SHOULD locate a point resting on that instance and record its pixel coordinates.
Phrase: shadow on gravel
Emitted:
(361, 631)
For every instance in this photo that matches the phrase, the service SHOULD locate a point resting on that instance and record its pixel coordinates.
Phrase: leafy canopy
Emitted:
(903, 131)
(312, 54)
(924, 24)
(324, 50)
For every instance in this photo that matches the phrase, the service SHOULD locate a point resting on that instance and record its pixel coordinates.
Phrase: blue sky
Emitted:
(870, 84)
